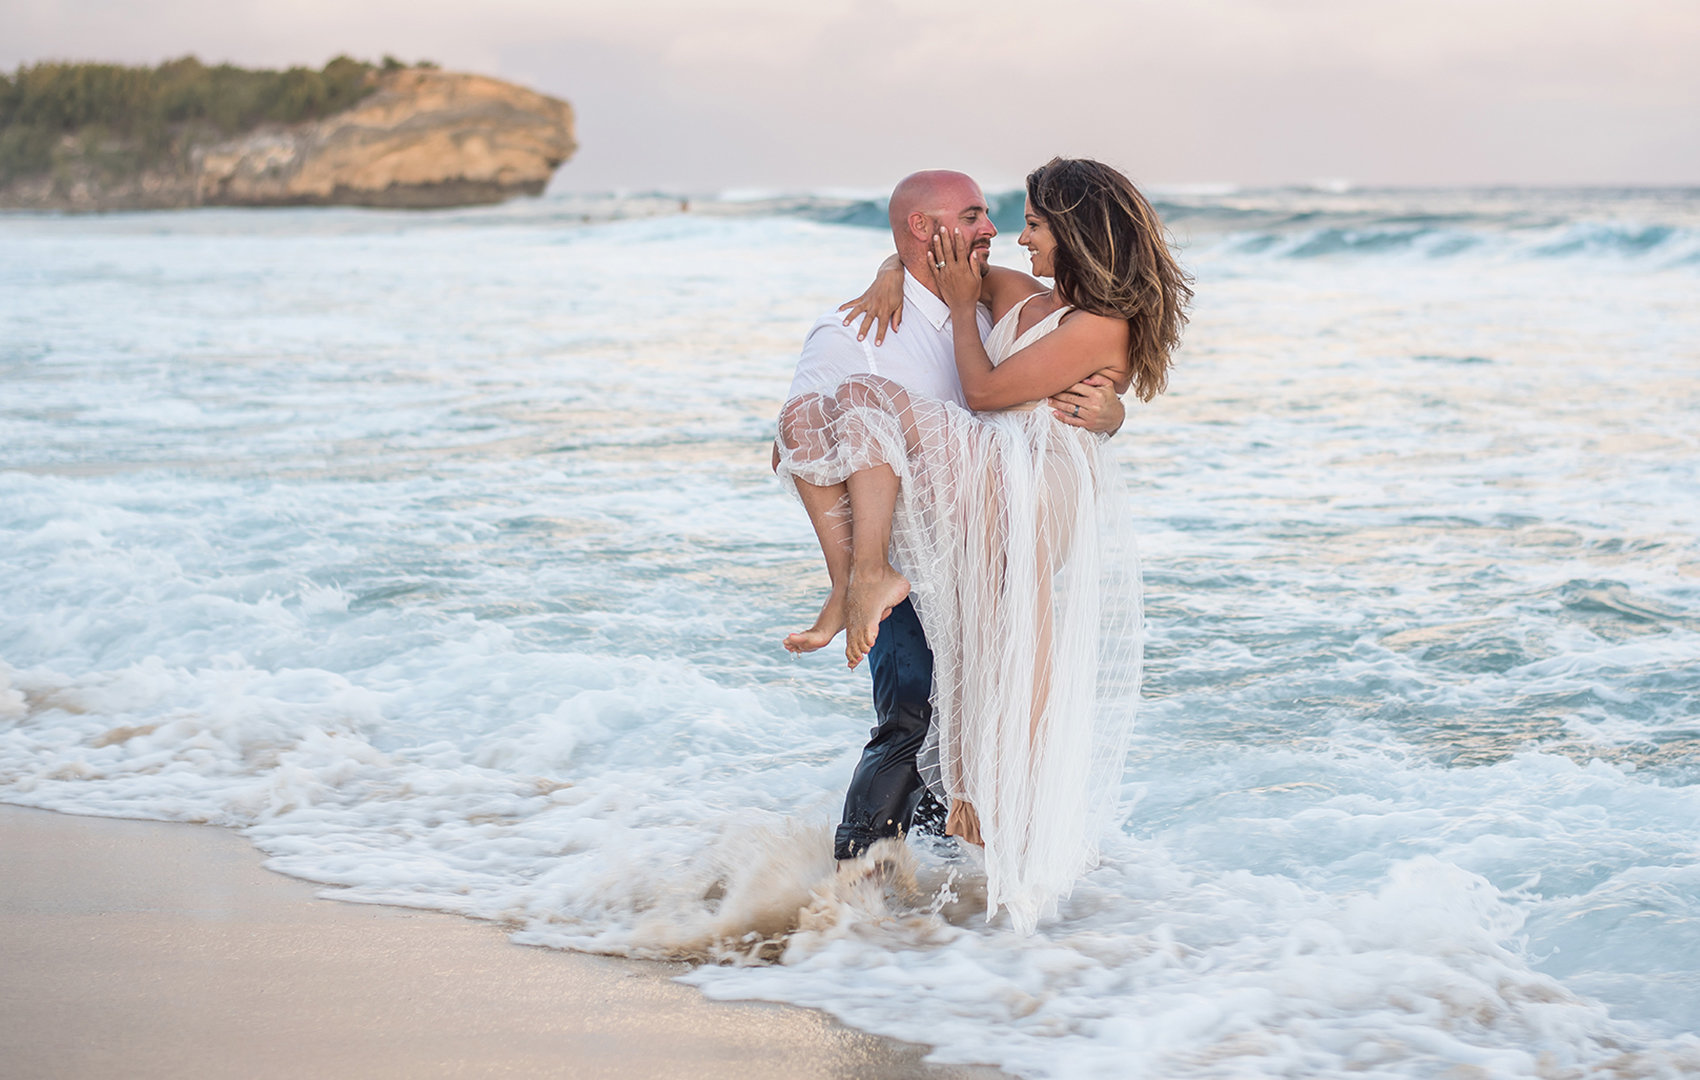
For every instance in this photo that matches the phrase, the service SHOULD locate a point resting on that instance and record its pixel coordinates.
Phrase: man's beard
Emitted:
(985, 261)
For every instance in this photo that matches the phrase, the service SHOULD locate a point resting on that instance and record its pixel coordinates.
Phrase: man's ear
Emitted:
(920, 228)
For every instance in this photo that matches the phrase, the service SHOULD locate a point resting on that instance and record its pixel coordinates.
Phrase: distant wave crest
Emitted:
(1653, 228)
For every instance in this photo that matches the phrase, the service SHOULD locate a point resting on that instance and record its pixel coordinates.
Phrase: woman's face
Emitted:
(1040, 244)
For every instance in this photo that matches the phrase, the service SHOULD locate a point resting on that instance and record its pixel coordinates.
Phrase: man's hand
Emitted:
(1091, 404)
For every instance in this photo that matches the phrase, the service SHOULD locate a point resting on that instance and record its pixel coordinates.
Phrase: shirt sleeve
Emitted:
(830, 355)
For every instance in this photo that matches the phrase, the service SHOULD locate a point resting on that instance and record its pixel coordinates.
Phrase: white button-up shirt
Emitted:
(919, 355)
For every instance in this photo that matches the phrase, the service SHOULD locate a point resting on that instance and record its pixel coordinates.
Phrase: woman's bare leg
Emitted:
(829, 513)
(1059, 503)
(875, 588)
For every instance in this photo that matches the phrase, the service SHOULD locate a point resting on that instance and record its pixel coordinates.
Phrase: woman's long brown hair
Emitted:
(1113, 258)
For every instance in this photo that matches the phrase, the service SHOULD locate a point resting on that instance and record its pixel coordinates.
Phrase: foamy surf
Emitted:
(440, 556)
(773, 894)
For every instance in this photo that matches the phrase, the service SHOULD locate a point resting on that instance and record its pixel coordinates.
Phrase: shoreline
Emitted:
(165, 949)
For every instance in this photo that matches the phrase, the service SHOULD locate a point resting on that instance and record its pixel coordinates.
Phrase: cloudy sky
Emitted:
(712, 94)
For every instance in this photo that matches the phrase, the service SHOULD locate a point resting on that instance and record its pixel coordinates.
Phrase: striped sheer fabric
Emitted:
(1014, 532)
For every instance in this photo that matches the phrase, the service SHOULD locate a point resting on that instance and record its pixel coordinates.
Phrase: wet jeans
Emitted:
(886, 796)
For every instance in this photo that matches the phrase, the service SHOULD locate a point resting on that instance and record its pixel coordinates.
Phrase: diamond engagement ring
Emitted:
(939, 264)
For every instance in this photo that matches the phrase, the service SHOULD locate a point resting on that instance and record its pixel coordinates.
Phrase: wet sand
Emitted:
(146, 949)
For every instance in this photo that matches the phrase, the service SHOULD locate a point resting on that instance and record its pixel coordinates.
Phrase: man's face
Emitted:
(964, 207)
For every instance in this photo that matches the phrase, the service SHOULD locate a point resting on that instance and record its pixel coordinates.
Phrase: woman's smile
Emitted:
(1037, 239)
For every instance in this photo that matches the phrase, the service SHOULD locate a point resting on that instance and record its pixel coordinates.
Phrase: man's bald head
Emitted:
(924, 202)
(934, 193)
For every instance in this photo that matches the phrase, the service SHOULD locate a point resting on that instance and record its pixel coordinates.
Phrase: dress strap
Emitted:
(1039, 329)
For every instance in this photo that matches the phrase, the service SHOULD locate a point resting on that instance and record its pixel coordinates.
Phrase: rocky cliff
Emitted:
(424, 138)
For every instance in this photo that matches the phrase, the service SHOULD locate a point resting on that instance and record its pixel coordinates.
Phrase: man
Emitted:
(886, 793)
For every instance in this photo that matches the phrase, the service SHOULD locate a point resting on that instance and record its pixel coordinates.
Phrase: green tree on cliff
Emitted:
(130, 117)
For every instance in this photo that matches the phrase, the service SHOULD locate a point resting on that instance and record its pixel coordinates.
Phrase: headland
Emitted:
(92, 137)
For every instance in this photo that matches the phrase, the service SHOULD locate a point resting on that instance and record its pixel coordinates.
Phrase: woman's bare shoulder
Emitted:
(1006, 288)
(1087, 324)
(1105, 336)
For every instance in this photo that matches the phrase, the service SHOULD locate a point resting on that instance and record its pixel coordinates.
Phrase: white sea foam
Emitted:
(438, 553)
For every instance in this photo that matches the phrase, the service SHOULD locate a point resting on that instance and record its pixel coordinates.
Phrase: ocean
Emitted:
(438, 552)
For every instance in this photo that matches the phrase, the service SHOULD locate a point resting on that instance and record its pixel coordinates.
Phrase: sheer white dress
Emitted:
(1014, 532)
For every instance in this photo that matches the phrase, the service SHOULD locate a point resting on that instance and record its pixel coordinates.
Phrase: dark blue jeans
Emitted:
(886, 796)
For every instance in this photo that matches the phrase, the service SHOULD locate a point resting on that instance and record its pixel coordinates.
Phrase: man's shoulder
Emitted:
(830, 334)
(831, 323)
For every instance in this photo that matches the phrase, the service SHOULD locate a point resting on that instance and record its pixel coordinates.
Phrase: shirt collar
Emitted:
(920, 298)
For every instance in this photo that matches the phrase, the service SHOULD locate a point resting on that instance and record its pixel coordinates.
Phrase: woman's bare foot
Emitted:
(873, 593)
(826, 627)
(964, 821)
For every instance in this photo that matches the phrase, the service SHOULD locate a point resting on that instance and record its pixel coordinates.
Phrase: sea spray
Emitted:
(767, 893)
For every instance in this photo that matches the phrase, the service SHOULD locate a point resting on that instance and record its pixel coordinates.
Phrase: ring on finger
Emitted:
(1077, 412)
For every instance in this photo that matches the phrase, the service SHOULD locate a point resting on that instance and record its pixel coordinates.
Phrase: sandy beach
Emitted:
(150, 949)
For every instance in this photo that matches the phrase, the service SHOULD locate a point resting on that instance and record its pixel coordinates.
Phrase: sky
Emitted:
(772, 95)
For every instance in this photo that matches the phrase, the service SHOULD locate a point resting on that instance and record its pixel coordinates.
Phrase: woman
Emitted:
(1010, 529)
